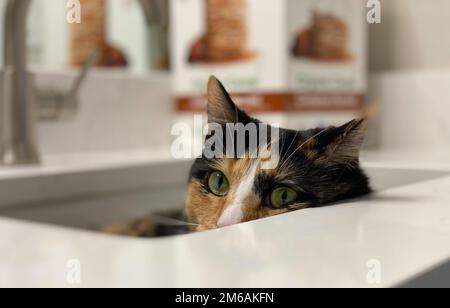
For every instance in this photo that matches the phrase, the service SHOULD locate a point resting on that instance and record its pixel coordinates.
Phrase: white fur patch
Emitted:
(234, 213)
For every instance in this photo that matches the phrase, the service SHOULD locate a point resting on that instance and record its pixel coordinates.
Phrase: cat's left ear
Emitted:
(342, 144)
(221, 108)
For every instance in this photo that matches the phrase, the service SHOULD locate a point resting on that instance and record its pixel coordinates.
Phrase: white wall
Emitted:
(413, 35)
(50, 17)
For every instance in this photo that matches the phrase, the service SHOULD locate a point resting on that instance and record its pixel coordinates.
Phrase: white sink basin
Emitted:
(156, 187)
(404, 226)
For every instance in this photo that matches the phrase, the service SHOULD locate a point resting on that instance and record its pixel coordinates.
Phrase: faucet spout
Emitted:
(17, 132)
(17, 100)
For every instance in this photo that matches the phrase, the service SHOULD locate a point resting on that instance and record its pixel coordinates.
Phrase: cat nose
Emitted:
(231, 216)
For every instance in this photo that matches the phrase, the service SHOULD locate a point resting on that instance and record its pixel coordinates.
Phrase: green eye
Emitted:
(218, 184)
(282, 197)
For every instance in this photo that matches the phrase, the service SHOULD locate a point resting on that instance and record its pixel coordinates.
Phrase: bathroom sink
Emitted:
(157, 187)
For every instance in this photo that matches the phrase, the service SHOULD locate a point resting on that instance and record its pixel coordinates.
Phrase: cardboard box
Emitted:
(233, 40)
(272, 55)
(327, 54)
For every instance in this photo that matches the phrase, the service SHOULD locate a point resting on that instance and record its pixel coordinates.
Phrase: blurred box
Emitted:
(239, 41)
(328, 54)
(272, 55)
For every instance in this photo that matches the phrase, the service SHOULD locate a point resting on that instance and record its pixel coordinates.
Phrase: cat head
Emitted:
(314, 168)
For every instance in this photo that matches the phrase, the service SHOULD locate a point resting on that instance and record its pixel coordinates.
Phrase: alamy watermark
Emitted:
(374, 273)
(73, 15)
(374, 13)
(230, 140)
(74, 11)
(73, 275)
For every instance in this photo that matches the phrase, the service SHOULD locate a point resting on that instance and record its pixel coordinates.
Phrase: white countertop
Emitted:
(438, 159)
(406, 229)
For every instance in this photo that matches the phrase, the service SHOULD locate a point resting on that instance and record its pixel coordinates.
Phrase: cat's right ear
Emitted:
(221, 108)
(342, 144)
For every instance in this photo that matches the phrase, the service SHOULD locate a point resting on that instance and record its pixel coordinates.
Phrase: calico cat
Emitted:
(315, 167)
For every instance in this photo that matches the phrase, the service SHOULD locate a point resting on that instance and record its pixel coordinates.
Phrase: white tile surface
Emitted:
(117, 111)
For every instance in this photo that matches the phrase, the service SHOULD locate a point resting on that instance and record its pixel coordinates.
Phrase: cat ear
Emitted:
(221, 108)
(342, 144)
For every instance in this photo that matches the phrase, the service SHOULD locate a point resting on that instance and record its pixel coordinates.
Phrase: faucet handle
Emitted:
(87, 65)
(56, 103)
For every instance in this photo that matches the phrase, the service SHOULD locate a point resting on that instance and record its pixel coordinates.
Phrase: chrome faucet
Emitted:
(18, 143)
(17, 98)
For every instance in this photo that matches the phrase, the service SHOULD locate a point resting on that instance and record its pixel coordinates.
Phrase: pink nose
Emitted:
(231, 216)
